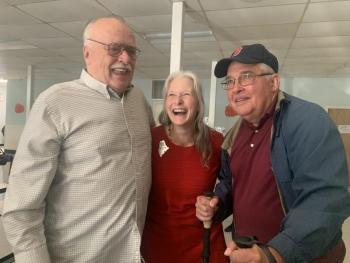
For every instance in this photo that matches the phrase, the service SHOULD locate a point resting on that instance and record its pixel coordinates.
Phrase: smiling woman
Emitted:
(181, 107)
(184, 111)
(185, 162)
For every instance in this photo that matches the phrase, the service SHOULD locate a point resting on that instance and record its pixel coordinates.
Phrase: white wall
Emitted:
(323, 91)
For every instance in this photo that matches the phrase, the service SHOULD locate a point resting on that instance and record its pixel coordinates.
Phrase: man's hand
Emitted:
(205, 208)
(245, 255)
(250, 255)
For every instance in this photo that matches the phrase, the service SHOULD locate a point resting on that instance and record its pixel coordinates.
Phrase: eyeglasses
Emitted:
(115, 49)
(243, 79)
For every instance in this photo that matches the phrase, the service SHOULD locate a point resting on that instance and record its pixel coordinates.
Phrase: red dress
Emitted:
(172, 231)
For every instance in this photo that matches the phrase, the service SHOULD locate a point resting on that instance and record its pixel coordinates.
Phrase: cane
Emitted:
(206, 234)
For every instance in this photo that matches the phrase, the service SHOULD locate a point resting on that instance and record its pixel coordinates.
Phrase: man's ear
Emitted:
(275, 82)
(86, 52)
(86, 55)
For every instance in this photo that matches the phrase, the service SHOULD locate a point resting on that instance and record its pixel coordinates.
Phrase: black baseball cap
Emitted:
(249, 54)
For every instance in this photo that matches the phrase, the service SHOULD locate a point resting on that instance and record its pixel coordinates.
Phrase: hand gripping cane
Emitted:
(206, 234)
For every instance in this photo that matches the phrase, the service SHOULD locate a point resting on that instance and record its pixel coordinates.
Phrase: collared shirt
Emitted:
(257, 207)
(79, 184)
(303, 134)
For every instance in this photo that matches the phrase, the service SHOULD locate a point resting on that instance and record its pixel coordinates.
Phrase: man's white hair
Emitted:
(94, 20)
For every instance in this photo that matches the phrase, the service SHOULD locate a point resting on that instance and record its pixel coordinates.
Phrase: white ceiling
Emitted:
(311, 38)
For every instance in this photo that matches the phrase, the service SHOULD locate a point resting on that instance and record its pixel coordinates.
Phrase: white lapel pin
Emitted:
(162, 148)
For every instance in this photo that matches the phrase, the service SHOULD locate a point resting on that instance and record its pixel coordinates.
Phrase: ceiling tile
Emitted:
(156, 58)
(313, 1)
(74, 29)
(229, 4)
(38, 60)
(192, 5)
(150, 50)
(30, 31)
(76, 58)
(328, 11)
(195, 21)
(315, 42)
(127, 8)
(65, 10)
(18, 2)
(273, 43)
(320, 52)
(256, 32)
(5, 35)
(3, 3)
(338, 28)
(340, 72)
(68, 51)
(54, 42)
(273, 23)
(204, 46)
(13, 16)
(14, 45)
(208, 54)
(163, 47)
(22, 53)
(257, 16)
(149, 24)
(140, 40)
(8, 60)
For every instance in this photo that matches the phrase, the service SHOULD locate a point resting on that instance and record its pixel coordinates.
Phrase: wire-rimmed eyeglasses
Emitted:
(244, 79)
(115, 49)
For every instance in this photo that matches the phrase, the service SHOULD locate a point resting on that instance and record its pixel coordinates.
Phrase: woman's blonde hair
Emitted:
(201, 136)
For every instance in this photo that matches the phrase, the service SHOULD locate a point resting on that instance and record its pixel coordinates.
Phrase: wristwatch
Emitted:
(249, 241)
(268, 253)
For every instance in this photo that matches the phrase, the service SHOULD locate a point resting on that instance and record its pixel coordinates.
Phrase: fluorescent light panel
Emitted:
(194, 34)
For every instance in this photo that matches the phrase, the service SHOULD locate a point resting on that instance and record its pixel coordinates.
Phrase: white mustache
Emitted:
(119, 65)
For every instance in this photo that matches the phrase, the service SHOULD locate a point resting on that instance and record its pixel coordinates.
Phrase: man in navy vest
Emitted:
(284, 175)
